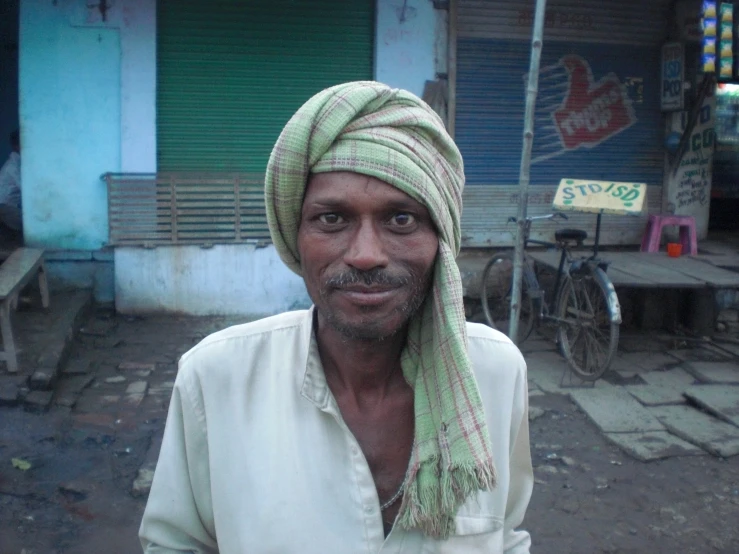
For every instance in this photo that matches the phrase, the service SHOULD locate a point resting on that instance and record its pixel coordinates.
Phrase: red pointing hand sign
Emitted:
(591, 112)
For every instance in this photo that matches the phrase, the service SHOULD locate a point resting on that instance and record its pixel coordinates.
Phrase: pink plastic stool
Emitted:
(653, 233)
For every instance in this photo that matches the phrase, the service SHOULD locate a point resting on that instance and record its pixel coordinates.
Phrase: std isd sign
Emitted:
(575, 195)
(673, 70)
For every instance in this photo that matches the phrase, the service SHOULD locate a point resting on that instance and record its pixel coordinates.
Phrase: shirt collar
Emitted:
(314, 386)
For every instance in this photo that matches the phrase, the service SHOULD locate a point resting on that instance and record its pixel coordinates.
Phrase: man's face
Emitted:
(367, 252)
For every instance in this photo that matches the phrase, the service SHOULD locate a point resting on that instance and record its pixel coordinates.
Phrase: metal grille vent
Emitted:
(146, 209)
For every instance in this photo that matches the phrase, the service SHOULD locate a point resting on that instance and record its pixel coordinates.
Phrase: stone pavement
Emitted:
(44, 338)
(109, 377)
(103, 381)
(663, 396)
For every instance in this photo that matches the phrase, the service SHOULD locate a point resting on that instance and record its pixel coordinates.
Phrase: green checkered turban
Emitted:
(392, 135)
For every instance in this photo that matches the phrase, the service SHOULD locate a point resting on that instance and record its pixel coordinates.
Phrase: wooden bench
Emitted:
(15, 273)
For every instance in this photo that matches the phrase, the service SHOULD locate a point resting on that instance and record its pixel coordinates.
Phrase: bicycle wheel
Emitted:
(587, 337)
(497, 282)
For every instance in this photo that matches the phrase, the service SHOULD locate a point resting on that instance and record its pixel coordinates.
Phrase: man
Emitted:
(10, 186)
(378, 420)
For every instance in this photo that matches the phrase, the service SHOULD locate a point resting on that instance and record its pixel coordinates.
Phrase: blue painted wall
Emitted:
(70, 115)
(490, 110)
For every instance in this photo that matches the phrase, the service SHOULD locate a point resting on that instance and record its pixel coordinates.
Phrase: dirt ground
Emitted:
(76, 496)
(600, 500)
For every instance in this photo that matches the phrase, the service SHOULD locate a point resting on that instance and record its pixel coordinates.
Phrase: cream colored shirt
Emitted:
(256, 457)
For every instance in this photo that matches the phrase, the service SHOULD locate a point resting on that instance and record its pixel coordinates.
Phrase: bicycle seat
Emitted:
(564, 235)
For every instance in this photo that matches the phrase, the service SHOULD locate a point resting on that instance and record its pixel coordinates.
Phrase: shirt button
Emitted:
(355, 450)
(369, 509)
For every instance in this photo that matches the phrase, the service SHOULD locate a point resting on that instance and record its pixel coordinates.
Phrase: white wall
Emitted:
(138, 86)
(233, 279)
(689, 188)
(405, 44)
(225, 279)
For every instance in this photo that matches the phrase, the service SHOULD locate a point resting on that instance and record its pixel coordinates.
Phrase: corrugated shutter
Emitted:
(606, 21)
(231, 73)
(597, 114)
(488, 209)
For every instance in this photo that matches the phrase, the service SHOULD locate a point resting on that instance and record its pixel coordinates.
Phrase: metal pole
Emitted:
(451, 70)
(524, 175)
(597, 235)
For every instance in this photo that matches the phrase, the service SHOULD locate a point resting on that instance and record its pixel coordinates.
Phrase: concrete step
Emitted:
(44, 338)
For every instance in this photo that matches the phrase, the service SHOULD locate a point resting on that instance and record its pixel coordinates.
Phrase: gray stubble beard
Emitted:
(369, 333)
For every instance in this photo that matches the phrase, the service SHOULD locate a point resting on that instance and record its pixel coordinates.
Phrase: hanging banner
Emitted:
(710, 30)
(673, 75)
(726, 42)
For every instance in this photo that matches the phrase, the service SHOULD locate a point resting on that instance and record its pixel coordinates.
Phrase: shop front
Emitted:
(725, 188)
(703, 132)
(597, 116)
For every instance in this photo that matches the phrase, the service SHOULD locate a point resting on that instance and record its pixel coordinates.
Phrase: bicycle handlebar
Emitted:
(539, 217)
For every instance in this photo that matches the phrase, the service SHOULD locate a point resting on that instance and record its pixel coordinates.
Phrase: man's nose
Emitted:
(366, 250)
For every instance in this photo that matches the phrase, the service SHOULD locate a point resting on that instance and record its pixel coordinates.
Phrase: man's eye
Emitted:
(402, 220)
(330, 219)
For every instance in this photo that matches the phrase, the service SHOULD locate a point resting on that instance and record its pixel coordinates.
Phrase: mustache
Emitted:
(377, 276)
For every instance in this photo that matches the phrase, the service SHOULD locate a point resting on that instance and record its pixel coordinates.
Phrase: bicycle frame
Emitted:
(584, 306)
(542, 307)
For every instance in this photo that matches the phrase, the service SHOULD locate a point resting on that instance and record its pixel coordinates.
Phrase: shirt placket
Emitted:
(368, 500)
(316, 389)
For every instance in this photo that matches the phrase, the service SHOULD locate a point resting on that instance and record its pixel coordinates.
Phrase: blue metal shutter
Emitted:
(598, 110)
(490, 109)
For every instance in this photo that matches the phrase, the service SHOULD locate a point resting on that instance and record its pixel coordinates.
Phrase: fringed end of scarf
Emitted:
(432, 500)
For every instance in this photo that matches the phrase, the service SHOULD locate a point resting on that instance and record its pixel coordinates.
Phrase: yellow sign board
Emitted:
(576, 195)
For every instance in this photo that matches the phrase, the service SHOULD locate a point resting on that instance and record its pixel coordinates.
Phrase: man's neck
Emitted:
(365, 371)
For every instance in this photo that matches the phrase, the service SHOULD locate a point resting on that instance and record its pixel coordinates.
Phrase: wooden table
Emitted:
(15, 273)
(657, 270)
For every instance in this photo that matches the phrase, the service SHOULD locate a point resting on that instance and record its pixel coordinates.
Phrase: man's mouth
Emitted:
(364, 295)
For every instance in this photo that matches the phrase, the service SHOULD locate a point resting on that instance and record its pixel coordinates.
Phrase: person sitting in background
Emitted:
(10, 187)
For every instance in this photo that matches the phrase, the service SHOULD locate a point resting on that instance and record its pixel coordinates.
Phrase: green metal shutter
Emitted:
(231, 73)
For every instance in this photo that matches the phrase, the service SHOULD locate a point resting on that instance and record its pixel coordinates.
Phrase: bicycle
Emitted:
(583, 305)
